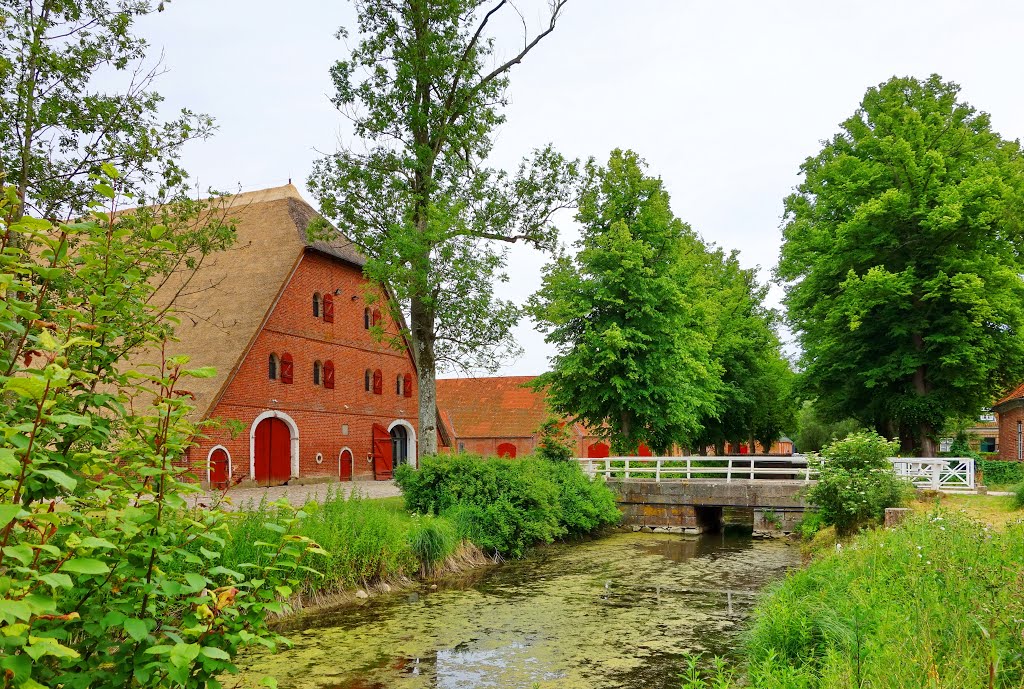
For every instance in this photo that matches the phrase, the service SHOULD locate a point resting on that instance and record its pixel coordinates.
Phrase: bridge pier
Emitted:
(688, 519)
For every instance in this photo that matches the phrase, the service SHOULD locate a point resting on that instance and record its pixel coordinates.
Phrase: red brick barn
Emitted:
(1010, 412)
(501, 417)
(303, 389)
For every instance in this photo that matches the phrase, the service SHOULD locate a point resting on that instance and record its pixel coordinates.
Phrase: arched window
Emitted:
(367, 378)
(376, 317)
(366, 318)
(329, 375)
(318, 373)
(398, 384)
(318, 305)
(328, 308)
(272, 367)
(287, 368)
(378, 382)
(407, 385)
(507, 450)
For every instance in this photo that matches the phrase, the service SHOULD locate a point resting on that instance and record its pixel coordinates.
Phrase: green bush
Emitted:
(997, 473)
(937, 603)
(856, 482)
(507, 505)
(1018, 497)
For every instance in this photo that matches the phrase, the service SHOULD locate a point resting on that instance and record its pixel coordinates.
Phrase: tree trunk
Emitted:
(422, 326)
(924, 430)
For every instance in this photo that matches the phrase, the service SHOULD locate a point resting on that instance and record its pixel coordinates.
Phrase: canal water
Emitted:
(618, 612)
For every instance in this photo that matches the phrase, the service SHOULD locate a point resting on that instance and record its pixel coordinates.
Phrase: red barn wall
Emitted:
(319, 413)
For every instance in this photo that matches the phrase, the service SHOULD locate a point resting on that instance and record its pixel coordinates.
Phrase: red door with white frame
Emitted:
(273, 456)
(345, 465)
(220, 471)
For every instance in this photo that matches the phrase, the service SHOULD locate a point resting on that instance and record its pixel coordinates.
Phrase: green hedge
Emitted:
(507, 505)
(1001, 473)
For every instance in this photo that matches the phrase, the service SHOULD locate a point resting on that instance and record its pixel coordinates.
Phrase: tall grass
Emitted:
(937, 603)
(366, 541)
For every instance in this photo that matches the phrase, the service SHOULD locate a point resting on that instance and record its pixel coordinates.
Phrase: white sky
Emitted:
(723, 99)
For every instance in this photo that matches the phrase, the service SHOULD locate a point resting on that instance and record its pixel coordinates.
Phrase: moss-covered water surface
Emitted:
(619, 612)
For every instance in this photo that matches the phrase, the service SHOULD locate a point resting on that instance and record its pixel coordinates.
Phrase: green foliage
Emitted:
(629, 315)
(506, 506)
(1018, 497)
(554, 443)
(755, 396)
(424, 91)
(101, 581)
(903, 254)
(998, 473)
(811, 524)
(813, 433)
(856, 482)
(937, 602)
(58, 125)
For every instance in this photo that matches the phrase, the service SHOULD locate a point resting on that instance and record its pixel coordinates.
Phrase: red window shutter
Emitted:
(328, 375)
(328, 308)
(378, 382)
(376, 317)
(287, 369)
(407, 386)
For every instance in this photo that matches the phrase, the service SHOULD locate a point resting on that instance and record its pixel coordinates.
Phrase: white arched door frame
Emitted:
(292, 426)
(209, 457)
(413, 455)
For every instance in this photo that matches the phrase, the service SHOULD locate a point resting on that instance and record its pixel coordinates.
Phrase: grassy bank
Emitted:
(938, 602)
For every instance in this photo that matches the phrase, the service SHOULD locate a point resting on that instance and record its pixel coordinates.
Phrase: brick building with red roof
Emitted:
(1010, 413)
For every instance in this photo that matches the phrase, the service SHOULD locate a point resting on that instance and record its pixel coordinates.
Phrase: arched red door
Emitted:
(345, 466)
(220, 470)
(507, 450)
(273, 452)
(598, 451)
(643, 451)
(382, 460)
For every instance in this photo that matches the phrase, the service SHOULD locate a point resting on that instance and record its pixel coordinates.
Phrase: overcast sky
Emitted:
(723, 99)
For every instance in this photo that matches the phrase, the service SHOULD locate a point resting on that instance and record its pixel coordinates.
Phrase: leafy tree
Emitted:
(103, 584)
(754, 401)
(629, 315)
(554, 441)
(856, 482)
(424, 93)
(813, 433)
(902, 259)
(57, 127)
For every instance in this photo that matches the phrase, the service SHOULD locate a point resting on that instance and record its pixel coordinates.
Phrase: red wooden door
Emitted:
(382, 465)
(219, 471)
(597, 451)
(507, 450)
(643, 451)
(273, 452)
(345, 466)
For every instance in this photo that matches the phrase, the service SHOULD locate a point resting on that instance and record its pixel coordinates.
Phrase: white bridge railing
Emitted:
(930, 472)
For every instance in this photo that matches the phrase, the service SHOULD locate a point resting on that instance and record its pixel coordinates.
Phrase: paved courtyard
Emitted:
(239, 497)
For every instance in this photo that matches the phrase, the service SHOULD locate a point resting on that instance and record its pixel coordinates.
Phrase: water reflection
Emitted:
(616, 612)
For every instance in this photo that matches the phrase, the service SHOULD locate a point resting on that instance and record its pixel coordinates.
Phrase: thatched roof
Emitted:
(223, 307)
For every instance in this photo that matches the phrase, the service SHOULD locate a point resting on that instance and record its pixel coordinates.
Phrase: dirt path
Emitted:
(240, 498)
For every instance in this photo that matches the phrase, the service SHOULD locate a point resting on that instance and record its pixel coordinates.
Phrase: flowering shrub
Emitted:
(856, 482)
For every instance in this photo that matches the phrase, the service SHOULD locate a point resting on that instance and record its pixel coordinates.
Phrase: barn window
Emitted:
(318, 373)
(272, 367)
(287, 368)
(329, 375)
(366, 318)
(398, 384)
(318, 305)
(328, 308)
(376, 317)
(407, 385)
(367, 377)
(378, 382)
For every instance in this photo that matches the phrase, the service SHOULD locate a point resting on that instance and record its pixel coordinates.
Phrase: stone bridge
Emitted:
(696, 506)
